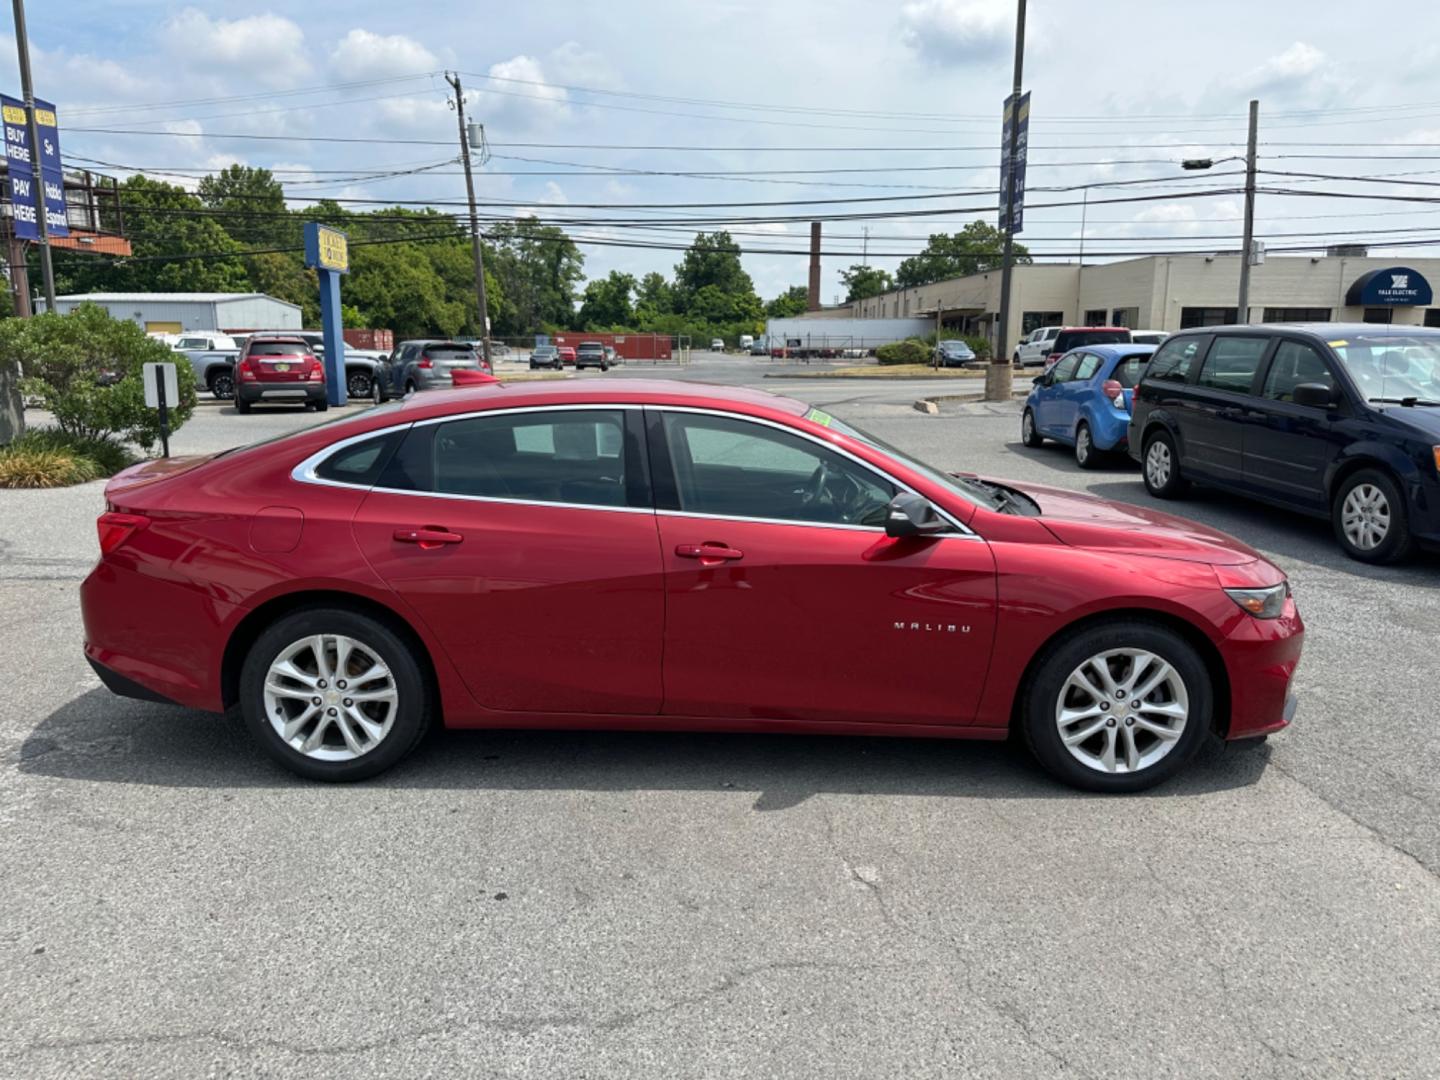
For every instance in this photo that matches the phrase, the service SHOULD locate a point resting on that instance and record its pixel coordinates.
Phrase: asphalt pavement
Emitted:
(688, 905)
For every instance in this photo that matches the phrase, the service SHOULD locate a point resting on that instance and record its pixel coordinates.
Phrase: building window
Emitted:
(1032, 320)
(1296, 314)
(1432, 316)
(1095, 317)
(1125, 316)
(1191, 317)
(1379, 314)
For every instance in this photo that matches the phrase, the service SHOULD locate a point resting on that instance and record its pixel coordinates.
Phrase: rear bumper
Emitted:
(279, 393)
(1261, 656)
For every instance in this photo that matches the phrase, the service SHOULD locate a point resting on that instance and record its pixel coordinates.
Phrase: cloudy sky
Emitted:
(590, 109)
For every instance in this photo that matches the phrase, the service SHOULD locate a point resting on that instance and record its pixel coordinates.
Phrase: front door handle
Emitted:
(428, 536)
(711, 551)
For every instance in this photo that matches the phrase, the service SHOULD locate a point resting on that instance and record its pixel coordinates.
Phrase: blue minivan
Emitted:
(1084, 401)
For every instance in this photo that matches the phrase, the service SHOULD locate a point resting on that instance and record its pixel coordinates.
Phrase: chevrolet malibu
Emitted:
(600, 555)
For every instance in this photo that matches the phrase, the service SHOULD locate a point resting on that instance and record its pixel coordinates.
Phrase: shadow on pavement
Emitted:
(1061, 458)
(100, 737)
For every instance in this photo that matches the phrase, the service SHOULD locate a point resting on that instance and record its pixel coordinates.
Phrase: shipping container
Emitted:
(382, 340)
(629, 346)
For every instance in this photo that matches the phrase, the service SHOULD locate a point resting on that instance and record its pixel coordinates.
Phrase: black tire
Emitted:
(357, 384)
(1041, 697)
(1163, 480)
(222, 386)
(377, 392)
(1383, 502)
(604, 367)
(242, 406)
(409, 386)
(1087, 456)
(413, 709)
(322, 405)
(1029, 433)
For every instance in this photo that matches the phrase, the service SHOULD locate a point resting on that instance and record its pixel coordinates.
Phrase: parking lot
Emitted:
(677, 905)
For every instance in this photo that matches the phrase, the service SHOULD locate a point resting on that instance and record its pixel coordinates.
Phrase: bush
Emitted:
(67, 360)
(21, 467)
(910, 351)
(979, 345)
(108, 455)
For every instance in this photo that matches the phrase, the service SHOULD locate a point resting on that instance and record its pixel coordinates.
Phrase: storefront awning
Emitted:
(1392, 286)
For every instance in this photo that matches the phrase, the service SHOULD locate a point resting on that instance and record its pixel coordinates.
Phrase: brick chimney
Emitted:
(813, 298)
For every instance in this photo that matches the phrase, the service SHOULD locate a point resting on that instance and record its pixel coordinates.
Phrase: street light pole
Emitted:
(454, 80)
(1242, 313)
(998, 377)
(27, 91)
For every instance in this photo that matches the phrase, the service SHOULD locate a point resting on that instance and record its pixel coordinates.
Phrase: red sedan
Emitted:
(652, 555)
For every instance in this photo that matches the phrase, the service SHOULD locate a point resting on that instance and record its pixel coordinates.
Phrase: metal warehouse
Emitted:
(175, 313)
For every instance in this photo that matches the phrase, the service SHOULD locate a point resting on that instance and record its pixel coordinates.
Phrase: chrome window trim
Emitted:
(304, 472)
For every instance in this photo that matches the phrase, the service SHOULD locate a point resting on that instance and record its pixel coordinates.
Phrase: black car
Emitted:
(1333, 420)
(546, 356)
(591, 354)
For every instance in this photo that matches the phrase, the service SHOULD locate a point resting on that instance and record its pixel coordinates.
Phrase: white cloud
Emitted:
(363, 55)
(270, 48)
(520, 93)
(1301, 75)
(958, 31)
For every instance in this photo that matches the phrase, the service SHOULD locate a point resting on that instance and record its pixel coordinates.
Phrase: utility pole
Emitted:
(27, 91)
(865, 245)
(998, 377)
(1242, 315)
(454, 80)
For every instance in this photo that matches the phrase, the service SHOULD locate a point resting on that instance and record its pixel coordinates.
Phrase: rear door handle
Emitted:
(428, 536)
(709, 551)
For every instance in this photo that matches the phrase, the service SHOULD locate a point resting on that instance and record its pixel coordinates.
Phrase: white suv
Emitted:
(1035, 346)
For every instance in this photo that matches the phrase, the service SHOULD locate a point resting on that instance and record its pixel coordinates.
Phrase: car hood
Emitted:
(1088, 521)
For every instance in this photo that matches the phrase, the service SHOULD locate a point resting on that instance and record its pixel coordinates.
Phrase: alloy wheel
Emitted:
(1365, 516)
(1082, 445)
(1122, 710)
(330, 697)
(1157, 464)
(1027, 426)
(358, 385)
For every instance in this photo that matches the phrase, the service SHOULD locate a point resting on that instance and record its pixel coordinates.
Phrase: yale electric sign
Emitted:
(327, 249)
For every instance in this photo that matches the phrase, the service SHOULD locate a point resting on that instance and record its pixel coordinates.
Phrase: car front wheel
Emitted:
(1370, 519)
(1161, 467)
(1029, 434)
(1117, 707)
(334, 695)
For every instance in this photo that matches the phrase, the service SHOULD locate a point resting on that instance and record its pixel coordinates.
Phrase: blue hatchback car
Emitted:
(1084, 400)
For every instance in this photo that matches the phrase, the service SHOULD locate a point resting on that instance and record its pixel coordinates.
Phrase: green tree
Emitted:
(654, 298)
(607, 302)
(397, 286)
(973, 250)
(713, 259)
(793, 301)
(283, 275)
(539, 269)
(862, 282)
(250, 203)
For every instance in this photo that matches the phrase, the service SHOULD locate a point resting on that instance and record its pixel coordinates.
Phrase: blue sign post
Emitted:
(328, 251)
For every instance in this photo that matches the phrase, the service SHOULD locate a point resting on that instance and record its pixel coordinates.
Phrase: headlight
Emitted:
(1262, 603)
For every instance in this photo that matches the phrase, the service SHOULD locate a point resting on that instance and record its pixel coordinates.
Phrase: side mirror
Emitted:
(1039, 380)
(912, 515)
(1316, 395)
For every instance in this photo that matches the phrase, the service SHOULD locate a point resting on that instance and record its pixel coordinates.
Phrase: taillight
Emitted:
(249, 369)
(317, 370)
(1112, 389)
(115, 529)
(425, 362)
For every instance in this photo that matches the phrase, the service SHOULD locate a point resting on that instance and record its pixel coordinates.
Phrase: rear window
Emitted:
(1074, 339)
(279, 348)
(450, 352)
(1128, 371)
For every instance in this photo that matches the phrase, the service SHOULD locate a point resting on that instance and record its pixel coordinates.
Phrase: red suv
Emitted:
(649, 555)
(278, 369)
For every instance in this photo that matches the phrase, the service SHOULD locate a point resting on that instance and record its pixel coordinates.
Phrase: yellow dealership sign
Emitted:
(326, 248)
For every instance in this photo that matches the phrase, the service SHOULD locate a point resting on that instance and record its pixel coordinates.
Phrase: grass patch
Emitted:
(48, 457)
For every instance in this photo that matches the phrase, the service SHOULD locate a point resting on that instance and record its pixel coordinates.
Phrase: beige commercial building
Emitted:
(1173, 292)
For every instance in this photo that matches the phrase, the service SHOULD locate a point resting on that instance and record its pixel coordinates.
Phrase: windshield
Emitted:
(970, 490)
(1394, 366)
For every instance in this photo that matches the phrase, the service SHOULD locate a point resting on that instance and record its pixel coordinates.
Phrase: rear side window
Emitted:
(1295, 363)
(1232, 363)
(576, 457)
(1089, 364)
(361, 463)
(1175, 359)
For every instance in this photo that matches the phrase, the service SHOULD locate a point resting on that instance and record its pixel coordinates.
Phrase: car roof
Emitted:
(1082, 329)
(1326, 331)
(1118, 349)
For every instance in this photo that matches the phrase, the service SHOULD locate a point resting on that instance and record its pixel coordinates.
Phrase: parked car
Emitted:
(1034, 347)
(215, 371)
(428, 365)
(746, 340)
(279, 369)
(591, 354)
(1337, 421)
(1073, 337)
(567, 355)
(953, 353)
(1148, 337)
(612, 357)
(1084, 401)
(760, 347)
(360, 364)
(858, 589)
(205, 341)
(545, 356)
(716, 345)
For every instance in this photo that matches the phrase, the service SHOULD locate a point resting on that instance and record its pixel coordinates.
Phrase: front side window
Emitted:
(1064, 369)
(1232, 363)
(561, 456)
(737, 468)
(1294, 363)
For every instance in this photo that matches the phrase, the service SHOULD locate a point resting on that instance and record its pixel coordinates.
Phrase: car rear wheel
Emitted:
(1086, 456)
(1029, 434)
(242, 406)
(222, 386)
(334, 695)
(1370, 519)
(1117, 707)
(1161, 467)
(357, 384)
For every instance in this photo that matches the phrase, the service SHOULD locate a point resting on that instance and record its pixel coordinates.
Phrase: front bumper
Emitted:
(1260, 657)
